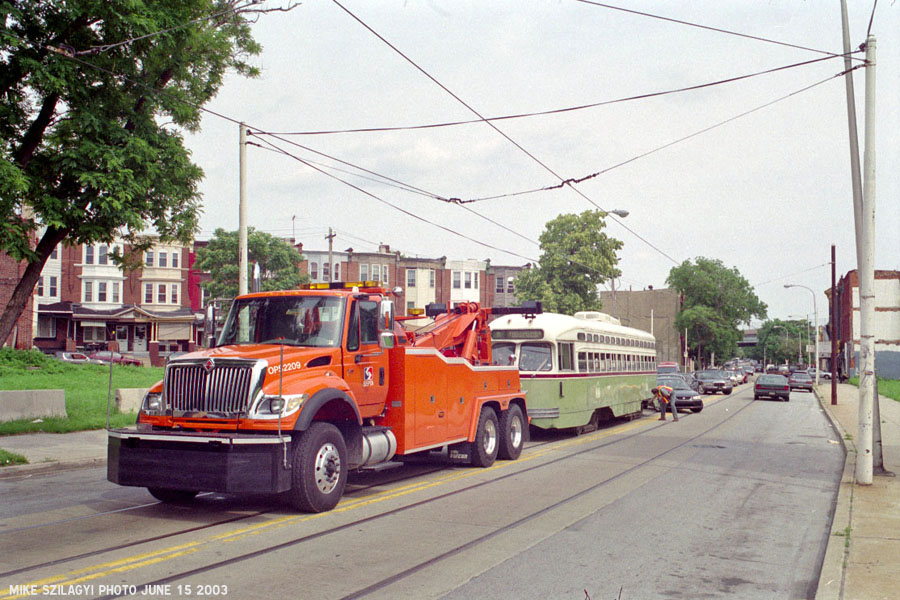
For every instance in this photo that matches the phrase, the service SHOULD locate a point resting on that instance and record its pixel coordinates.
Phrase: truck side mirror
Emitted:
(386, 322)
(209, 326)
(386, 340)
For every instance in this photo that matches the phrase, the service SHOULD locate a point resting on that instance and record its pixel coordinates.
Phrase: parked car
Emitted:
(74, 357)
(733, 377)
(772, 386)
(685, 397)
(800, 381)
(822, 374)
(667, 367)
(691, 381)
(105, 356)
(713, 382)
(784, 371)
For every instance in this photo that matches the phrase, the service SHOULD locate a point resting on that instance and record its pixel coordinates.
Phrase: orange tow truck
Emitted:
(303, 386)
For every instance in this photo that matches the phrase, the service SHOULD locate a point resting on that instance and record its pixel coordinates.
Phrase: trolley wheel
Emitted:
(172, 496)
(319, 470)
(512, 433)
(487, 443)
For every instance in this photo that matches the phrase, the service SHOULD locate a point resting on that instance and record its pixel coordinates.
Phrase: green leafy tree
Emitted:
(777, 341)
(94, 95)
(278, 262)
(716, 301)
(576, 257)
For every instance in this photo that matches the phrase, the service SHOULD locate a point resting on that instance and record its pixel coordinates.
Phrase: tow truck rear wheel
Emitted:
(172, 496)
(512, 432)
(319, 470)
(486, 444)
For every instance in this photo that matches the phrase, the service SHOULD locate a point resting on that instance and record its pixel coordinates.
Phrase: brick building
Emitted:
(11, 272)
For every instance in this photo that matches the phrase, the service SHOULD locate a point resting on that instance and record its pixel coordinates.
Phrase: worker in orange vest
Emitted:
(664, 396)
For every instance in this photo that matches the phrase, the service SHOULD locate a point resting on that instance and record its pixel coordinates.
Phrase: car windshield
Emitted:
(673, 382)
(706, 376)
(801, 376)
(292, 320)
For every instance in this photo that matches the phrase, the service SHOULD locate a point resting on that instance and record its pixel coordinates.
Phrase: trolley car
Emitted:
(577, 370)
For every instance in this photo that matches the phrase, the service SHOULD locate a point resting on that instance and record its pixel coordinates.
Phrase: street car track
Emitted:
(472, 543)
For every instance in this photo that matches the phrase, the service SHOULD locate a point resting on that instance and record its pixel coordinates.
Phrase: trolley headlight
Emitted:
(152, 404)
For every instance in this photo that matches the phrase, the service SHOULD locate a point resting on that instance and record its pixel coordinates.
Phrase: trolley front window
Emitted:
(503, 354)
(535, 357)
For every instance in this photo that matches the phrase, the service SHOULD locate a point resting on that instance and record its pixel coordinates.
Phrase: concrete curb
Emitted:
(834, 568)
(43, 468)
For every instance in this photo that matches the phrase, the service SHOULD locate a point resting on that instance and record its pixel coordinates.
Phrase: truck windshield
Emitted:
(292, 320)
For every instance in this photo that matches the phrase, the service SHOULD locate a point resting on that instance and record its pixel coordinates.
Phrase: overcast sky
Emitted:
(767, 192)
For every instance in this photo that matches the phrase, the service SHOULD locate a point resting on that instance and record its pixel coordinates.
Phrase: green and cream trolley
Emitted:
(579, 370)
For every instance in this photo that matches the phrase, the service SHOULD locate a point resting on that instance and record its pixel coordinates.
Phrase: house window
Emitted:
(174, 293)
(476, 281)
(161, 293)
(88, 294)
(326, 272)
(101, 254)
(55, 254)
(410, 278)
(46, 326)
(148, 293)
(53, 286)
(457, 278)
(314, 270)
(510, 285)
(88, 255)
(337, 271)
(40, 286)
(431, 278)
(175, 259)
(500, 285)
(163, 258)
(115, 292)
(468, 279)
(364, 272)
(94, 334)
(101, 291)
(148, 258)
(384, 275)
(376, 272)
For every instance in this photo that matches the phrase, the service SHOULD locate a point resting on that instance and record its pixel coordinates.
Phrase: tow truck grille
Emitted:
(222, 389)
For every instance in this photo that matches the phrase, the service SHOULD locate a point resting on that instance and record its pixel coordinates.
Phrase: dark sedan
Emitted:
(800, 380)
(713, 382)
(105, 356)
(772, 386)
(685, 397)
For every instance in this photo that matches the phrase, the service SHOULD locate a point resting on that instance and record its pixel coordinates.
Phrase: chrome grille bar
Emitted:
(223, 389)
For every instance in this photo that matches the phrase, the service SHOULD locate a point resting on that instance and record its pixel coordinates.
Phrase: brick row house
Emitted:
(83, 301)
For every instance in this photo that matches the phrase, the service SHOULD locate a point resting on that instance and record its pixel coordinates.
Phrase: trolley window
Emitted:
(535, 357)
(565, 352)
(503, 354)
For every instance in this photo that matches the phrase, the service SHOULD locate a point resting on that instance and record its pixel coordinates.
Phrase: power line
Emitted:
(557, 111)
(707, 27)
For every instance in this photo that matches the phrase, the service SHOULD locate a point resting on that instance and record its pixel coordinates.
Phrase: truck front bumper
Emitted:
(206, 462)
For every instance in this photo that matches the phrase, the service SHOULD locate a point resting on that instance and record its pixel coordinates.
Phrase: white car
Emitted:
(822, 374)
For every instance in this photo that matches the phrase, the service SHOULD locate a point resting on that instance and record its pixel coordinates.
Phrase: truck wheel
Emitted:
(512, 433)
(172, 496)
(319, 470)
(486, 444)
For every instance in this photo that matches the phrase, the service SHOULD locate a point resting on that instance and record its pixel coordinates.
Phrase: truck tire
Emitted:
(172, 496)
(487, 443)
(512, 433)
(319, 469)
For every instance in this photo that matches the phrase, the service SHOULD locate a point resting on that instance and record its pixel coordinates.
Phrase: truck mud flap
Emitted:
(209, 463)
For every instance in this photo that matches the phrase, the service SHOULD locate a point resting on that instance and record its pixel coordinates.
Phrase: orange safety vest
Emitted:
(660, 395)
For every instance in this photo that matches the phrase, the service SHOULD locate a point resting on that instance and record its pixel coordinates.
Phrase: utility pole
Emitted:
(330, 238)
(834, 329)
(242, 214)
(866, 259)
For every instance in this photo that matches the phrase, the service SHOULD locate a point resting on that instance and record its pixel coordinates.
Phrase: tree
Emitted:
(777, 341)
(716, 300)
(94, 95)
(577, 256)
(278, 262)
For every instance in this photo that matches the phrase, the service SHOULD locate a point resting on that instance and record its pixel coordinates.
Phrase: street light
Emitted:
(805, 320)
(619, 212)
(815, 318)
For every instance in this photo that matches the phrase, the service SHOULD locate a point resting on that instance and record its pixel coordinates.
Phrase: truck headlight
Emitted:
(152, 404)
(283, 405)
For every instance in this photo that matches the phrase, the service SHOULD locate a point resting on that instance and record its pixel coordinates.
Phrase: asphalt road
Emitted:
(733, 501)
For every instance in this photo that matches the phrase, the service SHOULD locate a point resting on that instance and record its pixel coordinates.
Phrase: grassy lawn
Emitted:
(11, 458)
(886, 387)
(85, 386)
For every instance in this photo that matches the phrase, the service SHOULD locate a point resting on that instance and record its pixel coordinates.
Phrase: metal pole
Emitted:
(855, 177)
(834, 329)
(242, 215)
(866, 260)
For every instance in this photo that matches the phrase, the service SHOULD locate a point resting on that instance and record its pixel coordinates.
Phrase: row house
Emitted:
(84, 301)
(11, 272)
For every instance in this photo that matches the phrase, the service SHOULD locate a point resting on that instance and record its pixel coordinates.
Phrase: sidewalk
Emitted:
(868, 567)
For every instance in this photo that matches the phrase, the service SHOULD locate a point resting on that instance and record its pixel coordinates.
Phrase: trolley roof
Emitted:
(557, 326)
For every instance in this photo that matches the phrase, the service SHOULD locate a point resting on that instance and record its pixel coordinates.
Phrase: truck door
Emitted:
(365, 361)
